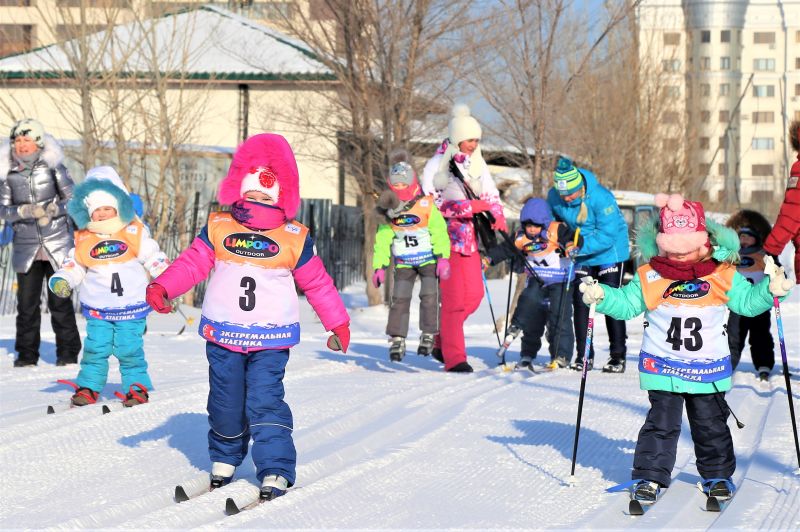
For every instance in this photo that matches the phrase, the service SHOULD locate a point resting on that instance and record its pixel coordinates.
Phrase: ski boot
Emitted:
(272, 487)
(511, 335)
(525, 362)
(137, 395)
(646, 491)
(557, 363)
(578, 365)
(84, 396)
(425, 344)
(462, 367)
(614, 365)
(763, 374)
(398, 349)
(719, 488)
(221, 474)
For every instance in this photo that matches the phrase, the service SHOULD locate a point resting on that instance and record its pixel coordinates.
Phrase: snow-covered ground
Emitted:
(383, 445)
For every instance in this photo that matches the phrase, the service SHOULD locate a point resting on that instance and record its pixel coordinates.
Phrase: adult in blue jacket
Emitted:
(578, 200)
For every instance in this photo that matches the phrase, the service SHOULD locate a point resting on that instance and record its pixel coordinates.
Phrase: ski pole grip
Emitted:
(577, 234)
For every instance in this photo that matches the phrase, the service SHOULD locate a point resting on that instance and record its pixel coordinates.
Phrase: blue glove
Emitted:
(59, 286)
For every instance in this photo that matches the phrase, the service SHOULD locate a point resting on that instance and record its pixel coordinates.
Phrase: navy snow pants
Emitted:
(245, 400)
(657, 446)
(538, 305)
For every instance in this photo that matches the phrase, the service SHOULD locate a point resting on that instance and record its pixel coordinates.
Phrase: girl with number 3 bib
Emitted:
(250, 319)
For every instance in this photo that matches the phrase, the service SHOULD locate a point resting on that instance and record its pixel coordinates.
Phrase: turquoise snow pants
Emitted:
(123, 339)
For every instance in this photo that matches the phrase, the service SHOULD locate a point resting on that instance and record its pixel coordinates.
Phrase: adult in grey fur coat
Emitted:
(34, 190)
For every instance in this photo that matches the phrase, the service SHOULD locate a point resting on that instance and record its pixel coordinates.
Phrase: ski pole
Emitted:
(188, 321)
(782, 341)
(491, 308)
(564, 295)
(589, 332)
(508, 310)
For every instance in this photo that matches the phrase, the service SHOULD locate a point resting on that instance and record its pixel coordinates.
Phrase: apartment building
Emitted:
(731, 70)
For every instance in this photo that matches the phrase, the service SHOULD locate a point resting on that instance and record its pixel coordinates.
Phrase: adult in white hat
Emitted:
(462, 293)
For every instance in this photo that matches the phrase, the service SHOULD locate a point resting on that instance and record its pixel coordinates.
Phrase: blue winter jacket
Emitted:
(604, 232)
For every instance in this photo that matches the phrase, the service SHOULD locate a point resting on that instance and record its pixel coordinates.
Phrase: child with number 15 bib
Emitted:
(683, 290)
(250, 317)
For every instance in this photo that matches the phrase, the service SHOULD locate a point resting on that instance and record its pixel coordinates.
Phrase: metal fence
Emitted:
(338, 233)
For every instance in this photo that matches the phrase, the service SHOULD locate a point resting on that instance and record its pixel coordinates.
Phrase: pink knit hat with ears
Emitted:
(271, 155)
(683, 225)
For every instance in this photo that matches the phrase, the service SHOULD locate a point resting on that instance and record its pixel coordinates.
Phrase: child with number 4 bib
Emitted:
(112, 258)
(251, 314)
(683, 290)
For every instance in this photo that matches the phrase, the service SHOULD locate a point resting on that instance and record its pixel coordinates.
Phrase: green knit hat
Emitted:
(567, 177)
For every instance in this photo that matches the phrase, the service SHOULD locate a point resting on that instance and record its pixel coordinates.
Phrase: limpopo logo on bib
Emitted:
(251, 245)
(108, 249)
(405, 220)
(534, 246)
(687, 289)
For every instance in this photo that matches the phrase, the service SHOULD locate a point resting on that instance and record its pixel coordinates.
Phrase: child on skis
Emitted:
(683, 290)
(787, 225)
(413, 234)
(112, 258)
(250, 317)
(752, 229)
(548, 246)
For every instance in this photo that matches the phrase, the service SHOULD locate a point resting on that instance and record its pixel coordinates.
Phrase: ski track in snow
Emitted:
(384, 445)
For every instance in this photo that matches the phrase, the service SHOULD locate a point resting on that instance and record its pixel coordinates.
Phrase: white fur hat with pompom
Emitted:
(462, 125)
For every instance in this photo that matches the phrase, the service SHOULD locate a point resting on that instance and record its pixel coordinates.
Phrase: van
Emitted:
(637, 208)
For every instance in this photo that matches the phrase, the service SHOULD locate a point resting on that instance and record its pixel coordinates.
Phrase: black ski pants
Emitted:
(29, 316)
(610, 275)
(539, 305)
(657, 445)
(762, 346)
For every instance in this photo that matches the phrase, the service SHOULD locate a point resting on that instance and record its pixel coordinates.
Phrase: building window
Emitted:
(763, 117)
(705, 36)
(797, 115)
(763, 91)
(674, 91)
(724, 63)
(724, 116)
(705, 143)
(65, 32)
(764, 65)
(797, 63)
(16, 38)
(15, 3)
(671, 117)
(672, 39)
(762, 170)
(705, 89)
(671, 65)
(764, 37)
(725, 36)
(797, 89)
(724, 89)
(763, 143)
(797, 36)
(93, 3)
(723, 142)
(705, 116)
(705, 63)
(722, 169)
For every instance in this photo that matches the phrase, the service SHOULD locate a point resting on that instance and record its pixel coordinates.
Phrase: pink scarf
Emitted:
(258, 216)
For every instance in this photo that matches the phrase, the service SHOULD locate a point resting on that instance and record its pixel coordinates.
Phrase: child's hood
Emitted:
(536, 210)
(105, 179)
(724, 241)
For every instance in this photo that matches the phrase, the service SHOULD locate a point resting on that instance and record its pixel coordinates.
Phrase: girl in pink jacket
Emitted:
(250, 319)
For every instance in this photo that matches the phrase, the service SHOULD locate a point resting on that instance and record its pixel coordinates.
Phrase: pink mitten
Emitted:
(379, 277)
(443, 269)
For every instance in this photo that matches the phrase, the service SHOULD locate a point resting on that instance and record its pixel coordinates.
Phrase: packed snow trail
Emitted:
(382, 444)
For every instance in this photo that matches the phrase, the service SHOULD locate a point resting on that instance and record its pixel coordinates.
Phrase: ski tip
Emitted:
(181, 331)
(106, 409)
(180, 494)
(635, 507)
(51, 410)
(230, 507)
(713, 505)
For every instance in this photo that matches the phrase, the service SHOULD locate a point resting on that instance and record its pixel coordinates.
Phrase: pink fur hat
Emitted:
(683, 225)
(270, 152)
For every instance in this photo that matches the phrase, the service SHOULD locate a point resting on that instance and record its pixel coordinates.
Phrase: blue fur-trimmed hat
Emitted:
(102, 188)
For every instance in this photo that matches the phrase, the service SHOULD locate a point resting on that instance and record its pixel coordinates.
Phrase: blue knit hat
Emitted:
(568, 179)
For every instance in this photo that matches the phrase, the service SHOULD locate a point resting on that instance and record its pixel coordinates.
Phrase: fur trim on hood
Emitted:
(266, 150)
(752, 219)
(724, 241)
(52, 155)
(76, 207)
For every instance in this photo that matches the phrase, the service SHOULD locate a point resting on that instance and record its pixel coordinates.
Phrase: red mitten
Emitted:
(340, 339)
(479, 206)
(500, 225)
(156, 297)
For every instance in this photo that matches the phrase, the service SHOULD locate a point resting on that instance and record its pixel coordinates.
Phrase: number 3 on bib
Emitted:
(248, 300)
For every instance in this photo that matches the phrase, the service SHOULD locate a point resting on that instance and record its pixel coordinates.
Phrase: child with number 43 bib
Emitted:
(683, 290)
(251, 314)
